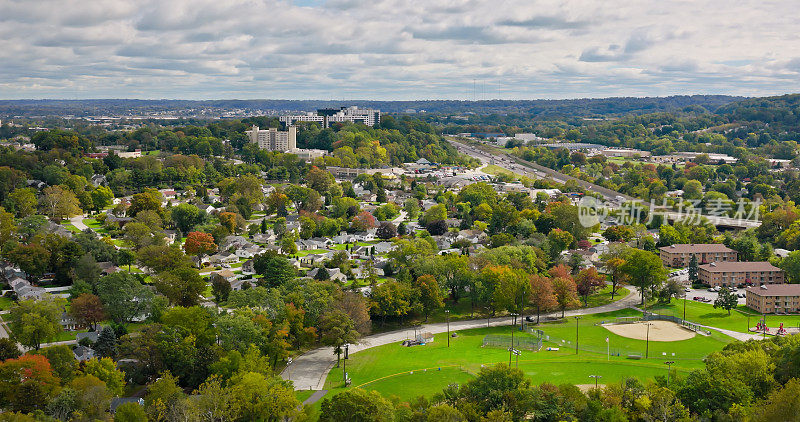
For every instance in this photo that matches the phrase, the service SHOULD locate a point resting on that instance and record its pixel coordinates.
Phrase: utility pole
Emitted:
(577, 324)
(447, 315)
(647, 343)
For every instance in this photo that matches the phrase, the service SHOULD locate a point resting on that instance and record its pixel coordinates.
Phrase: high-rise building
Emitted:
(273, 139)
(326, 116)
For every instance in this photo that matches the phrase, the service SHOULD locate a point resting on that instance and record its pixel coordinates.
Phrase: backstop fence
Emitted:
(520, 342)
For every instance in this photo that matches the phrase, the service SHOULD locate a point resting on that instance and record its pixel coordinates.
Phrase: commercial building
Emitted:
(273, 139)
(624, 152)
(327, 116)
(679, 255)
(307, 154)
(739, 273)
(780, 298)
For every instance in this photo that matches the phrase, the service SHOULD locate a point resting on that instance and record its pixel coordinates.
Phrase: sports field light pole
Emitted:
(669, 369)
(447, 315)
(577, 318)
(596, 377)
(511, 349)
(647, 342)
(684, 306)
(344, 362)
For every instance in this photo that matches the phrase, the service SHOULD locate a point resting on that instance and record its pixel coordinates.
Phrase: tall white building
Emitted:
(326, 116)
(273, 139)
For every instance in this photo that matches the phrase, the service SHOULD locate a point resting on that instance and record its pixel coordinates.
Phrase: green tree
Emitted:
(275, 268)
(693, 268)
(644, 270)
(22, 202)
(101, 197)
(726, 300)
(337, 329)
(182, 286)
(429, 294)
(357, 405)
(186, 216)
(262, 398)
(130, 412)
(558, 241)
(58, 203)
(106, 370)
(34, 322)
(8, 349)
(124, 297)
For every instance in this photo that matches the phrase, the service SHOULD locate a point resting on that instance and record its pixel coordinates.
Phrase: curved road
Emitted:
(309, 370)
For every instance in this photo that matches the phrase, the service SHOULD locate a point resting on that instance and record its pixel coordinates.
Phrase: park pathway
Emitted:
(77, 221)
(309, 370)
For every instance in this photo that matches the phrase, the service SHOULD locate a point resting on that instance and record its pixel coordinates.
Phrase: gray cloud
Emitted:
(394, 50)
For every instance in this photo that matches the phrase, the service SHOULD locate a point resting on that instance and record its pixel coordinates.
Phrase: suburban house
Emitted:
(740, 273)
(223, 258)
(227, 275)
(83, 353)
(333, 274)
(774, 299)
(680, 255)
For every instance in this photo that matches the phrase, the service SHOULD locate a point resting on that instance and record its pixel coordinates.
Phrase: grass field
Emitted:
(495, 170)
(737, 321)
(5, 303)
(388, 369)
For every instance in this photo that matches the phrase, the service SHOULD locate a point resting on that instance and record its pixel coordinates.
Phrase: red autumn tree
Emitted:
(27, 384)
(199, 244)
(587, 282)
(87, 310)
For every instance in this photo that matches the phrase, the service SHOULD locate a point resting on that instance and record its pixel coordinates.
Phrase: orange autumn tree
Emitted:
(199, 244)
(27, 384)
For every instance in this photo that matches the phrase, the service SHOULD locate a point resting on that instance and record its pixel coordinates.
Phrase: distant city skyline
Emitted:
(391, 50)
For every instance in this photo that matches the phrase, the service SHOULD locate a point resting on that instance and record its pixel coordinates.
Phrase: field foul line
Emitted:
(639, 364)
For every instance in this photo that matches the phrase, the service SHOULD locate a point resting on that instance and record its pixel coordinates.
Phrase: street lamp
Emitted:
(669, 368)
(510, 349)
(596, 377)
(577, 318)
(447, 316)
(647, 343)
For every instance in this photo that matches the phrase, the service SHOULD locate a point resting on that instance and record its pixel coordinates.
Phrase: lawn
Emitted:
(5, 303)
(705, 314)
(71, 227)
(388, 368)
(311, 251)
(495, 170)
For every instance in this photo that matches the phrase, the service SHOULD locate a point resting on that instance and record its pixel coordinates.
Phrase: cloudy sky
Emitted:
(412, 49)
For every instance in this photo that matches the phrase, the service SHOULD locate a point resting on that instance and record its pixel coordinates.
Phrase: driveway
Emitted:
(309, 370)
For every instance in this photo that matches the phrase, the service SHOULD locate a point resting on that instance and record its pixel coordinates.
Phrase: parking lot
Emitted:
(711, 296)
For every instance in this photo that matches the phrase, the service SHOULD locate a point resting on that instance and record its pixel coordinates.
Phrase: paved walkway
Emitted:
(308, 371)
(77, 221)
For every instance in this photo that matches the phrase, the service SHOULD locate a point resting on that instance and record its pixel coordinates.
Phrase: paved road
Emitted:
(308, 371)
(77, 221)
(519, 165)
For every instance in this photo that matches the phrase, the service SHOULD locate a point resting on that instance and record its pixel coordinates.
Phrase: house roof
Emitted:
(776, 290)
(697, 248)
(721, 267)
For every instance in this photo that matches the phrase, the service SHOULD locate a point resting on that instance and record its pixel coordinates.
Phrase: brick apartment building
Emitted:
(739, 273)
(680, 255)
(780, 298)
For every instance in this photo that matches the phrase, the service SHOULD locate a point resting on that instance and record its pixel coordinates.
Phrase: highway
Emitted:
(534, 170)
